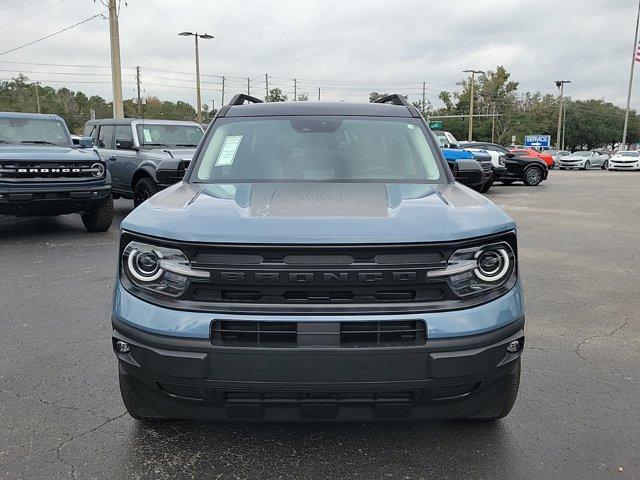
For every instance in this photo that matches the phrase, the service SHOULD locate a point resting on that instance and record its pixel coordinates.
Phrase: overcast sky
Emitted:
(346, 47)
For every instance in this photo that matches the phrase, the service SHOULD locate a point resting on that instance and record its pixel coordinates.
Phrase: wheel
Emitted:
(133, 406)
(509, 400)
(507, 182)
(532, 176)
(145, 188)
(587, 165)
(605, 165)
(100, 217)
(486, 186)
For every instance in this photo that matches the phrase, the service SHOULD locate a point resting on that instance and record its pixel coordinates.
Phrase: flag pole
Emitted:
(633, 63)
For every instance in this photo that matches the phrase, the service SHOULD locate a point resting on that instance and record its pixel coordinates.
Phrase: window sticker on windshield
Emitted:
(147, 135)
(410, 127)
(228, 152)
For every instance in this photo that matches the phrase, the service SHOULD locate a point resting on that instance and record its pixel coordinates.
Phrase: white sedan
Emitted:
(625, 161)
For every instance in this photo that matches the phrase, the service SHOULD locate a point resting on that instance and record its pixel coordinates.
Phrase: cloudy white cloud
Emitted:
(347, 48)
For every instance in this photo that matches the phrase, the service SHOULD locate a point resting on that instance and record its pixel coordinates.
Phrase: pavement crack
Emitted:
(595, 364)
(51, 404)
(57, 450)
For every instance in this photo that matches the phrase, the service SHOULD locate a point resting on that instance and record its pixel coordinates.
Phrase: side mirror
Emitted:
(510, 155)
(124, 144)
(85, 142)
(468, 172)
(170, 171)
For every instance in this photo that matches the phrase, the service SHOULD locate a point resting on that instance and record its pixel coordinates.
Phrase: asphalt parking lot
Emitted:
(576, 416)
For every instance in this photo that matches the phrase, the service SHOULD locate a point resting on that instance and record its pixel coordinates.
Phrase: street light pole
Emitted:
(633, 62)
(198, 95)
(473, 81)
(560, 85)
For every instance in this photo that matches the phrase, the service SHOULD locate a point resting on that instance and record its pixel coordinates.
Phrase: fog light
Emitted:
(513, 347)
(122, 347)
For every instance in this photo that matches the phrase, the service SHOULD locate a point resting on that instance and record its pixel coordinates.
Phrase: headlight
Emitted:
(501, 160)
(161, 270)
(478, 269)
(97, 170)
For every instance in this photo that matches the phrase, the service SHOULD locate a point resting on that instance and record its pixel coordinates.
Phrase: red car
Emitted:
(530, 152)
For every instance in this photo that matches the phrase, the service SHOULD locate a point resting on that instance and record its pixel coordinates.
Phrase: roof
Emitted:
(41, 116)
(318, 108)
(129, 121)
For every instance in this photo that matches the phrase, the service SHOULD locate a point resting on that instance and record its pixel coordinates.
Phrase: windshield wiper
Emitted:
(186, 145)
(155, 145)
(39, 142)
(5, 141)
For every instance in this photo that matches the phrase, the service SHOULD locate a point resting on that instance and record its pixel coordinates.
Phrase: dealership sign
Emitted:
(537, 140)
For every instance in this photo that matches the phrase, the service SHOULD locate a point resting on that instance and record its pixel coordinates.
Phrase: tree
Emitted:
(303, 97)
(373, 96)
(276, 95)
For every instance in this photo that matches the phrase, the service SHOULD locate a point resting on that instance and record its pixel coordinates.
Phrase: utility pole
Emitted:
(204, 36)
(116, 68)
(424, 96)
(37, 97)
(493, 122)
(560, 85)
(473, 81)
(318, 93)
(248, 86)
(139, 99)
(564, 125)
(634, 58)
(266, 83)
(222, 91)
(295, 90)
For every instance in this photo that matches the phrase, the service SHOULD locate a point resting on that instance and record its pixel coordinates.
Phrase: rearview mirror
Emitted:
(170, 171)
(468, 172)
(85, 142)
(124, 144)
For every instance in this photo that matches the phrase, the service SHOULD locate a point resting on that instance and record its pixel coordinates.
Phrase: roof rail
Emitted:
(397, 99)
(394, 98)
(240, 98)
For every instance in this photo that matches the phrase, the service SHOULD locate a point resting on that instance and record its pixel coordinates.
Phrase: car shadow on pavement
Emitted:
(321, 450)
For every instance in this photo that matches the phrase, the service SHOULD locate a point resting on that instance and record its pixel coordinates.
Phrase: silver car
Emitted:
(584, 160)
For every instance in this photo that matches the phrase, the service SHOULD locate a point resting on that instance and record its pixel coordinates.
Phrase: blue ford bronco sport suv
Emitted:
(318, 262)
(43, 174)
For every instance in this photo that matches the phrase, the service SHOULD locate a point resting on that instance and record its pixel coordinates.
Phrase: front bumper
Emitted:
(624, 166)
(52, 200)
(572, 165)
(462, 373)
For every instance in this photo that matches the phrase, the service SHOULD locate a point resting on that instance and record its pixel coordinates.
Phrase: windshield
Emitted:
(37, 131)
(580, 154)
(167, 135)
(321, 149)
(627, 154)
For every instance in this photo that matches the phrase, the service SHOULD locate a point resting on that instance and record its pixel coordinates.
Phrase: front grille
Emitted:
(350, 334)
(321, 275)
(39, 171)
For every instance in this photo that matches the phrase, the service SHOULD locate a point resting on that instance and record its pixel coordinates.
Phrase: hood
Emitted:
(338, 213)
(578, 157)
(456, 154)
(54, 153)
(181, 153)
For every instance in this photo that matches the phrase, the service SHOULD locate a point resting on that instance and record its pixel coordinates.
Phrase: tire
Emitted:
(507, 182)
(486, 186)
(144, 189)
(561, 168)
(130, 403)
(605, 165)
(532, 176)
(587, 165)
(509, 401)
(100, 217)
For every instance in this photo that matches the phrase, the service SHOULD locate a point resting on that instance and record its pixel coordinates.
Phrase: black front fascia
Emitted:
(254, 279)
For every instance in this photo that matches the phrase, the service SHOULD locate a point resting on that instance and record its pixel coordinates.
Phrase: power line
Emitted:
(56, 64)
(54, 33)
(57, 73)
(31, 14)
